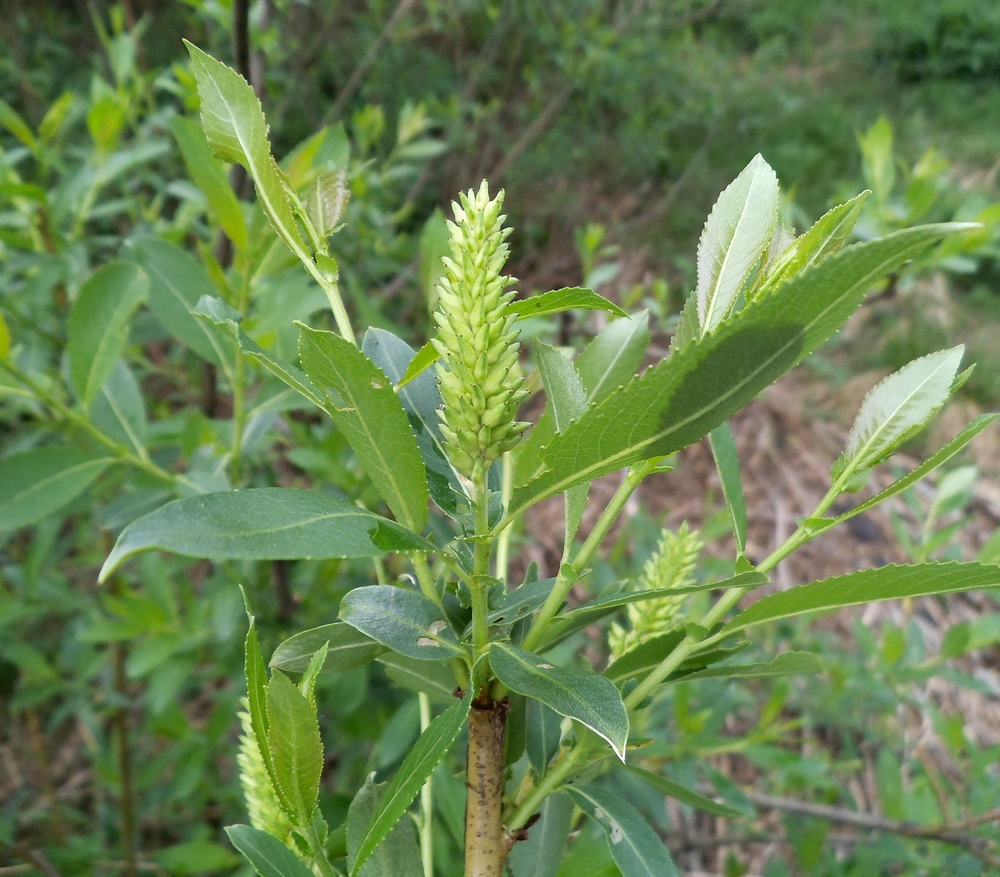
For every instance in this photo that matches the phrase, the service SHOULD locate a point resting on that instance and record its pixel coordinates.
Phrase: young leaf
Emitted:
(371, 417)
(421, 400)
(635, 847)
(236, 130)
(898, 406)
(270, 523)
(346, 648)
(176, 283)
(397, 855)
(728, 463)
(867, 586)
(424, 358)
(268, 855)
(697, 388)
(427, 752)
(295, 746)
(736, 234)
(208, 174)
(542, 853)
(43, 480)
(683, 794)
(402, 620)
(581, 695)
(98, 325)
(566, 299)
(326, 202)
(216, 311)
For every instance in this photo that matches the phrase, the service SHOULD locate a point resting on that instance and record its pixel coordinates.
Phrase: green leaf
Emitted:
(371, 417)
(827, 236)
(38, 482)
(785, 664)
(119, 410)
(736, 235)
(434, 245)
(256, 676)
(397, 856)
(421, 400)
(402, 620)
(268, 855)
(176, 283)
(234, 124)
(13, 122)
(295, 745)
(325, 203)
(216, 311)
(635, 847)
(424, 358)
(210, 177)
(559, 300)
(542, 853)
(346, 648)
(697, 388)
(4, 338)
(521, 602)
(650, 653)
(684, 794)
(898, 406)
(270, 523)
(98, 325)
(427, 752)
(867, 586)
(581, 695)
(923, 470)
(435, 680)
(543, 733)
(728, 463)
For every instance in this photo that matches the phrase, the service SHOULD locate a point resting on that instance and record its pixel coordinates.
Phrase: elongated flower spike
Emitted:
(481, 380)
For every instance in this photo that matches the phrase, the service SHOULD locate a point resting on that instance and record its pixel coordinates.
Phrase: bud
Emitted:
(481, 380)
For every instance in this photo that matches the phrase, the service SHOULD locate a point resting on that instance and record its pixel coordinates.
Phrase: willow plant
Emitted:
(441, 426)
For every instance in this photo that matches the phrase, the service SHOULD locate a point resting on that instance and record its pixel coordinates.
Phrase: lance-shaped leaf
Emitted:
(119, 410)
(635, 847)
(346, 648)
(785, 664)
(419, 764)
(543, 732)
(256, 677)
(897, 407)
(402, 620)
(325, 203)
(649, 654)
(295, 746)
(542, 853)
(216, 311)
(268, 855)
(435, 680)
(270, 523)
(577, 694)
(234, 124)
(684, 794)
(728, 464)
(867, 586)
(398, 855)
(678, 401)
(566, 299)
(736, 234)
(176, 283)
(369, 414)
(43, 480)
(210, 177)
(98, 325)
(421, 400)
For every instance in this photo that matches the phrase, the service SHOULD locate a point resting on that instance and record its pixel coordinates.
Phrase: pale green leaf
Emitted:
(99, 323)
(268, 855)
(41, 481)
(697, 388)
(270, 523)
(430, 748)
(210, 177)
(684, 794)
(727, 462)
(368, 412)
(119, 410)
(424, 358)
(635, 847)
(326, 201)
(581, 695)
(12, 121)
(4, 338)
(295, 745)
(402, 620)
(346, 648)
(566, 299)
(736, 234)
(867, 586)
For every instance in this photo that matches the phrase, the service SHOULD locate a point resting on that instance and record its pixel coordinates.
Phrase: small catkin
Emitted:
(671, 566)
(481, 379)
(262, 802)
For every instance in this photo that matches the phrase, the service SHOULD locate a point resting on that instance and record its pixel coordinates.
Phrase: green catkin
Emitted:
(258, 792)
(481, 379)
(671, 566)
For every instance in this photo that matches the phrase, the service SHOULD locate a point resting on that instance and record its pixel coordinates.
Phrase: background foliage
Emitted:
(117, 705)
